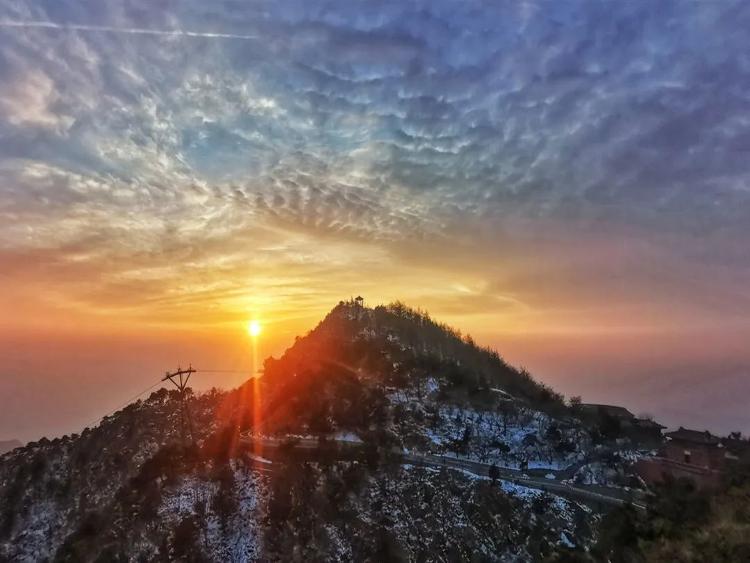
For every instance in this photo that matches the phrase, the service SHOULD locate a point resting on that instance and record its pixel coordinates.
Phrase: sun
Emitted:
(253, 328)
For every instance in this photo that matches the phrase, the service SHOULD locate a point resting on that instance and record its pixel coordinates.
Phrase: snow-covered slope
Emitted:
(377, 381)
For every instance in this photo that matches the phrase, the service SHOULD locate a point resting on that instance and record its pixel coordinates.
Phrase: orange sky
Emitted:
(567, 184)
(58, 378)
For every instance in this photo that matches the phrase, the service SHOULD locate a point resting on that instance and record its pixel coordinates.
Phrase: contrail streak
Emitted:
(124, 30)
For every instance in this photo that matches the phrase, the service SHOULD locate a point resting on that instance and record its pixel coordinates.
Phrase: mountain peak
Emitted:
(362, 337)
(374, 415)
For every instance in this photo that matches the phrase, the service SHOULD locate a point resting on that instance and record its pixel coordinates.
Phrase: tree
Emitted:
(507, 409)
(185, 545)
(225, 502)
(387, 547)
(574, 403)
(280, 503)
(319, 421)
(494, 473)
(466, 438)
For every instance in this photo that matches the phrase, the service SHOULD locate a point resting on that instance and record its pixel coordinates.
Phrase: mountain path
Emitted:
(596, 494)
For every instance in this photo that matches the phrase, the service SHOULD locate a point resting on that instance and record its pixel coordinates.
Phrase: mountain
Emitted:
(8, 445)
(381, 435)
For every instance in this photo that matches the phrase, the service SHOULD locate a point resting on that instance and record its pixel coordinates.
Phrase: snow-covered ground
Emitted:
(507, 437)
(561, 508)
(347, 437)
(237, 540)
(615, 472)
(260, 459)
(33, 543)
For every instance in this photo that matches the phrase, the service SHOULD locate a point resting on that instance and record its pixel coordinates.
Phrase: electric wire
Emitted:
(137, 396)
(125, 404)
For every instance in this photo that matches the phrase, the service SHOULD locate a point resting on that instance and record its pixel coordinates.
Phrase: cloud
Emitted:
(518, 146)
(29, 100)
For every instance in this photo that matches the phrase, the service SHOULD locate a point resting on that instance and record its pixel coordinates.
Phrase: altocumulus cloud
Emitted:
(608, 140)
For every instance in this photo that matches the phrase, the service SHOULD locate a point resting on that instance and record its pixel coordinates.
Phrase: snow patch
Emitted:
(260, 459)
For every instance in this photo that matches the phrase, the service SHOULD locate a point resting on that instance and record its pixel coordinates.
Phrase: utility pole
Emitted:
(180, 380)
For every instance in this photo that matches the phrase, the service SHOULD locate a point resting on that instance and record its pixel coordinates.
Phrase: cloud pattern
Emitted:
(559, 155)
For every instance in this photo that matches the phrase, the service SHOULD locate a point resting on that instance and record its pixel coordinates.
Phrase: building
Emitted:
(698, 456)
(647, 431)
(640, 430)
(695, 448)
(620, 413)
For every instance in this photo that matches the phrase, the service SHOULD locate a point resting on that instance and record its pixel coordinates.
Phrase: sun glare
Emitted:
(253, 328)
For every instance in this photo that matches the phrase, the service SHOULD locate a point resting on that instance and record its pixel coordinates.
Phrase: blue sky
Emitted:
(516, 167)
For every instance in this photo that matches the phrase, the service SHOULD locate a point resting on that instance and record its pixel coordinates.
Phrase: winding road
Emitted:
(596, 495)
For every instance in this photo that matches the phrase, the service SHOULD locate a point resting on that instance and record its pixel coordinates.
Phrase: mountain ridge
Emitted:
(387, 380)
(8, 445)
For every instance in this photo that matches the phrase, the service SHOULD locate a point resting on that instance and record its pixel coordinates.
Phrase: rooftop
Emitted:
(693, 436)
(648, 423)
(612, 410)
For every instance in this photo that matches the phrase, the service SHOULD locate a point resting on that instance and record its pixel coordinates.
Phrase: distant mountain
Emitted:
(8, 445)
(379, 436)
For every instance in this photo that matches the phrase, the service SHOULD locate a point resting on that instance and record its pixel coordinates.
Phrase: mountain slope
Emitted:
(370, 341)
(51, 486)
(393, 372)
(380, 381)
(8, 445)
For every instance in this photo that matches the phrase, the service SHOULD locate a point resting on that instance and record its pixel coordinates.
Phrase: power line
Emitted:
(134, 397)
(125, 404)
(222, 370)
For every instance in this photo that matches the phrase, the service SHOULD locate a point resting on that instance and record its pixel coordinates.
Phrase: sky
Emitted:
(566, 181)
